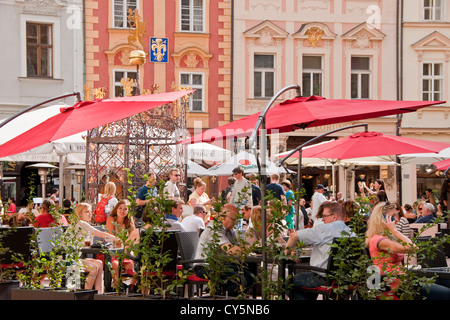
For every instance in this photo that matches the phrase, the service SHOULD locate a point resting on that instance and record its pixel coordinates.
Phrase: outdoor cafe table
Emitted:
(108, 253)
(442, 273)
(254, 261)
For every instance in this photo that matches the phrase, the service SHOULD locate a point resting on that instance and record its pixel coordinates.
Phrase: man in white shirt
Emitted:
(317, 199)
(171, 186)
(320, 236)
(195, 222)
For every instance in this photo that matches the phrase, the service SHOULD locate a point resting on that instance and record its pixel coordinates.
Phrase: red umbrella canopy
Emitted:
(368, 144)
(443, 164)
(305, 112)
(86, 115)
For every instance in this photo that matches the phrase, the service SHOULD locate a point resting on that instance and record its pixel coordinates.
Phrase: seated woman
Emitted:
(253, 235)
(117, 221)
(199, 196)
(387, 245)
(83, 229)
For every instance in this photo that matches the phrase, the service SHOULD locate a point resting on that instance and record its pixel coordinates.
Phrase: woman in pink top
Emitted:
(387, 246)
(383, 237)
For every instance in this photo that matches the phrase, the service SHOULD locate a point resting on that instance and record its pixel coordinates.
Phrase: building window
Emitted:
(192, 15)
(360, 78)
(433, 10)
(121, 8)
(312, 76)
(119, 88)
(39, 50)
(432, 81)
(194, 81)
(264, 73)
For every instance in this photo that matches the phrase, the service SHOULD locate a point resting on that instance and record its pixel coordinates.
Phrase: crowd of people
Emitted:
(321, 221)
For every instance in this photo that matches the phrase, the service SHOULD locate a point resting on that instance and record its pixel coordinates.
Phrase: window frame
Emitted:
(264, 71)
(124, 13)
(194, 86)
(432, 78)
(359, 73)
(433, 8)
(191, 17)
(40, 46)
(56, 42)
(313, 71)
(114, 83)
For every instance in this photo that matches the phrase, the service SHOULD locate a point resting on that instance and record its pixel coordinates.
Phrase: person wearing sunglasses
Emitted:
(171, 188)
(428, 214)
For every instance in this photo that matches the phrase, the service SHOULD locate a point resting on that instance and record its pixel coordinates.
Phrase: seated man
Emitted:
(195, 222)
(227, 242)
(171, 219)
(320, 237)
(427, 214)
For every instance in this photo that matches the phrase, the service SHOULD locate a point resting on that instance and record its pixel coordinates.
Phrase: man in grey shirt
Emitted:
(242, 190)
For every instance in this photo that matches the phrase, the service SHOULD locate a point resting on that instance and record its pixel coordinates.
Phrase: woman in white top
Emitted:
(200, 197)
(83, 230)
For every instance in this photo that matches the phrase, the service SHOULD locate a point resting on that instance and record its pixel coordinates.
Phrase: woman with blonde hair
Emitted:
(199, 196)
(387, 246)
(84, 230)
(110, 194)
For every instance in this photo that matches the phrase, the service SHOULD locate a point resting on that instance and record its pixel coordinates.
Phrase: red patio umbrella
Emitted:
(368, 144)
(86, 115)
(443, 164)
(306, 112)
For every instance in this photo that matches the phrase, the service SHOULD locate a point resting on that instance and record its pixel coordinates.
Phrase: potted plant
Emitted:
(151, 257)
(62, 266)
(157, 261)
(8, 279)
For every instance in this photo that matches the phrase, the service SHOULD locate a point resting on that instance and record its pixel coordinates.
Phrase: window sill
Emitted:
(40, 80)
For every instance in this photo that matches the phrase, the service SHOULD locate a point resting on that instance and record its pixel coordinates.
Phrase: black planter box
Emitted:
(50, 294)
(6, 288)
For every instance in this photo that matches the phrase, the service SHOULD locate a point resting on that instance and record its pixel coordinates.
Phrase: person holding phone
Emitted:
(387, 246)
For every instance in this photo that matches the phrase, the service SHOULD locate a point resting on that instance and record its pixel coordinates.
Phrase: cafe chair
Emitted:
(15, 242)
(47, 238)
(169, 249)
(187, 242)
(328, 291)
(437, 258)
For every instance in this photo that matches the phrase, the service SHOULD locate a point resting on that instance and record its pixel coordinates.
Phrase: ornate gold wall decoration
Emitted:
(137, 29)
(128, 85)
(314, 36)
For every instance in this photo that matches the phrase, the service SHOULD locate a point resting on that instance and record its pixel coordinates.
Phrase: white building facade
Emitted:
(42, 57)
(425, 75)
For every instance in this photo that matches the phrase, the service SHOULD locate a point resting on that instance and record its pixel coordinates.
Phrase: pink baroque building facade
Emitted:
(338, 49)
(196, 35)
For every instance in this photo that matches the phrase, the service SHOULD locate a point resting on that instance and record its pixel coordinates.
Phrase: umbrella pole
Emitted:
(40, 104)
(253, 145)
(299, 187)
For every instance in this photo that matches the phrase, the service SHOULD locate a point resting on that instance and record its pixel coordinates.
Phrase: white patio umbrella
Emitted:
(207, 152)
(245, 160)
(72, 147)
(425, 158)
(194, 169)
